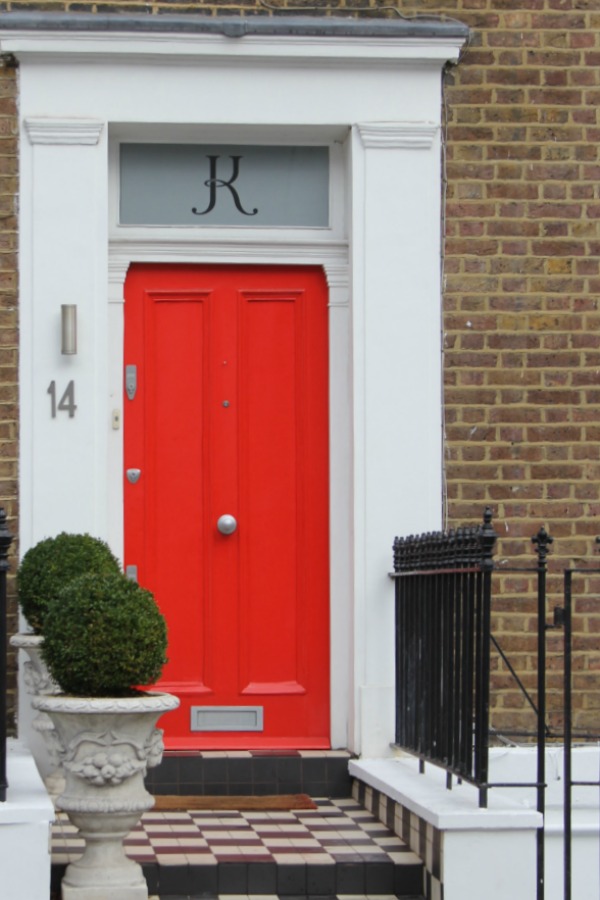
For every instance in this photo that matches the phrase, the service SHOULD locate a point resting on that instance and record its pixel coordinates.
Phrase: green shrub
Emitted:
(104, 634)
(47, 567)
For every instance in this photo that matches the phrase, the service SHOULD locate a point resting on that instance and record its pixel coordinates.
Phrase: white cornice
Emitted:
(291, 50)
(63, 131)
(398, 135)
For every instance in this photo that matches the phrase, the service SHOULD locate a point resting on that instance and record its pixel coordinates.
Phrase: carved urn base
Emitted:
(106, 747)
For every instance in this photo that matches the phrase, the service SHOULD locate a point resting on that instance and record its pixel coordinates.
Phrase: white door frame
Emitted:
(339, 428)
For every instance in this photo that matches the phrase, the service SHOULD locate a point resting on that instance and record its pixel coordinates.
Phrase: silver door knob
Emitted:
(226, 524)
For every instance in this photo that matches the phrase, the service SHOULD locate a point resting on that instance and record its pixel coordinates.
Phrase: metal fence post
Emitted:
(487, 537)
(541, 542)
(5, 542)
(568, 776)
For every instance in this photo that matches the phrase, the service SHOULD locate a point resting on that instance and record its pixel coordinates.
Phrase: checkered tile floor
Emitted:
(338, 831)
(339, 843)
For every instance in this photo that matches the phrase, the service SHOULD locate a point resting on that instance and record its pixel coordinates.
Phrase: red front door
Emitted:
(226, 415)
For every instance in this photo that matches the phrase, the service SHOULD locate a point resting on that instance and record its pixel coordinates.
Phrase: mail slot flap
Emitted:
(226, 718)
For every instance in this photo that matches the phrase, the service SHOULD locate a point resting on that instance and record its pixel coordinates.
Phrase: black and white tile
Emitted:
(338, 849)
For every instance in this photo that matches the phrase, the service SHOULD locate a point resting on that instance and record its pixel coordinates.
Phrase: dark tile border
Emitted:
(254, 773)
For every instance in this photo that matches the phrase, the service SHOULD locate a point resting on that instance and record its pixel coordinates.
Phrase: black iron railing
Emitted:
(443, 599)
(443, 640)
(5, 542)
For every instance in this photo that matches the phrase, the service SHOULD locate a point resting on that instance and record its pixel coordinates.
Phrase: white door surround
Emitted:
(371, 91)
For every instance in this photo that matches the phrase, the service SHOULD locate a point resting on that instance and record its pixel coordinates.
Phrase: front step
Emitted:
(318, 773)
(338, 848)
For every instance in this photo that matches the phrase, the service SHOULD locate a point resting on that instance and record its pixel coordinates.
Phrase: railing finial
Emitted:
(541, 542)
(488, 539)
(5, 540)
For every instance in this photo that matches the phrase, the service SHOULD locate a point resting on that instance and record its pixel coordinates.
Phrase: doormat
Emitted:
(267, 802)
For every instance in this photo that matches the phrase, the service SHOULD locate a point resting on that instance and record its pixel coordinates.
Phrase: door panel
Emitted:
(230, 417)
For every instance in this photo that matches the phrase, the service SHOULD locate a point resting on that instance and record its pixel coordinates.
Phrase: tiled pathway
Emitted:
(337, 849)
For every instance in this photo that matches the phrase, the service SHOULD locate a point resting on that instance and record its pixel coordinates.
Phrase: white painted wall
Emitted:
(381, 99)
(518, 764)
(492, 852)
(487, 853)
(25, 825)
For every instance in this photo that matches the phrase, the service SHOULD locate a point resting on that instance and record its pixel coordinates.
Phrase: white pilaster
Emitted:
(397, 393)
(340, 493)
(64, 226)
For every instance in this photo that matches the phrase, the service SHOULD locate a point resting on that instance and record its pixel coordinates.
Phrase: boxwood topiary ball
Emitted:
(50, 564)
(104, 634)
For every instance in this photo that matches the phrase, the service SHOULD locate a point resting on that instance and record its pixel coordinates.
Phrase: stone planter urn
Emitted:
(43, 572)
(106, 747)
(37, 678)
(39, 682)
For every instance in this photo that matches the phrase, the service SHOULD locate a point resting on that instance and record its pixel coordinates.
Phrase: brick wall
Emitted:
(521, 320)
(522, 327)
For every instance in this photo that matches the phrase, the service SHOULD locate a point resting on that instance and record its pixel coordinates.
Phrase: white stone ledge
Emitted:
(25, 827)
(448, 810)
(26, 797)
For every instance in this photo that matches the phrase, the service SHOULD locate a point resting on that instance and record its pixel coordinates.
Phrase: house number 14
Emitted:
(66, 402)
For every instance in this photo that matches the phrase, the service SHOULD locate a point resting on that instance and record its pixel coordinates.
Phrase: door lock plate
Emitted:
(130, 381)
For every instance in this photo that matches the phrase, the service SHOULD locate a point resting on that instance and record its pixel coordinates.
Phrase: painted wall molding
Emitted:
(333, 257)
(63, 131)
(398, 135)
(304, 50)
(338, 281)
